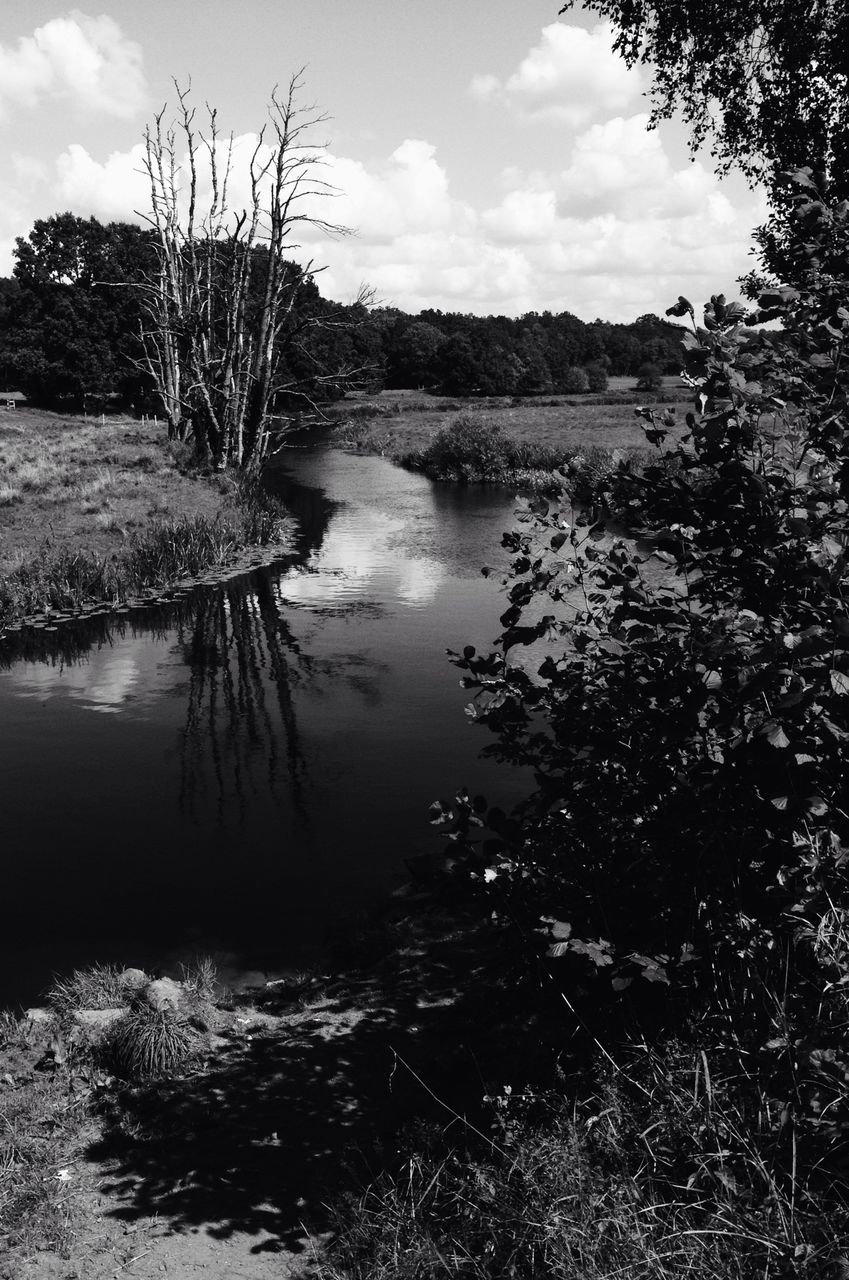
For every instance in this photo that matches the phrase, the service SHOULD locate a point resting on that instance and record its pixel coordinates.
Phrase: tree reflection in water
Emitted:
(241, 655)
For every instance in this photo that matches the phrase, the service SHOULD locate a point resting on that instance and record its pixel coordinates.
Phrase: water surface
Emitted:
(241, 771)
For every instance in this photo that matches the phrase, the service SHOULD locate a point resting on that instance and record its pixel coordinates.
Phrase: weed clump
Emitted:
(667, 1169)
(148, 1044)
(100, 987)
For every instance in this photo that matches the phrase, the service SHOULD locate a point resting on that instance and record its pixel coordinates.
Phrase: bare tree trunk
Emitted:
(224, 293)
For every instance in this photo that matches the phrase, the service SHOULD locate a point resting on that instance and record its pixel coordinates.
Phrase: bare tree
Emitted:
(221, 311)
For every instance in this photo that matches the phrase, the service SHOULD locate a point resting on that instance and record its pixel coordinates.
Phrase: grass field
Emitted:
(95, 511)
(395, 423)
(84, 485)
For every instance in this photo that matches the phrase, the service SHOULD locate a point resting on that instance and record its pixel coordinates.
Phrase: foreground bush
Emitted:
(150, 1043)
(683, 703)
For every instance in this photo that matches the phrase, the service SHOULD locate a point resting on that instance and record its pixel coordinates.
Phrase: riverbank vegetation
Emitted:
(80, 268)
(674, 888)
(87, 514)
(475, 449)
(524, 445)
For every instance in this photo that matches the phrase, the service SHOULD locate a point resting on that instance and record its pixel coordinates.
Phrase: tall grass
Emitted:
(671, 1169)
(99, 987)
(154, 558)
(43, 1121)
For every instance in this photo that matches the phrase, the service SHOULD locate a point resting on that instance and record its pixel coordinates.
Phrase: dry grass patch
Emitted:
(44, 1122)
(55, 469)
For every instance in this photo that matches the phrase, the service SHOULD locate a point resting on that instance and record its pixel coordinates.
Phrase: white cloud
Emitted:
(86, 61)
(572, 75)
(523, 217)
(618, 230)
(407, 194)
(111, 191)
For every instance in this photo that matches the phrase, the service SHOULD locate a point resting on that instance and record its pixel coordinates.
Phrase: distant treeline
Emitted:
(70, 320)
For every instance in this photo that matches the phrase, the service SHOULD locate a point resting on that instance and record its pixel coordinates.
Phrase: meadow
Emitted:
(93, 510)
(403, 424)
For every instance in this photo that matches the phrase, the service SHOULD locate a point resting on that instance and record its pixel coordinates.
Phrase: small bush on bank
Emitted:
(474, 449)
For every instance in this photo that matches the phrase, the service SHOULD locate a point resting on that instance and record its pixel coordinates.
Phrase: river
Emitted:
(247, 769)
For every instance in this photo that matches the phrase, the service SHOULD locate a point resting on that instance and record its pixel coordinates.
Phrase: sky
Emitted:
(490, 156)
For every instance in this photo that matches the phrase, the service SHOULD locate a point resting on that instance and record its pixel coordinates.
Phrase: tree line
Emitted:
(71, 317)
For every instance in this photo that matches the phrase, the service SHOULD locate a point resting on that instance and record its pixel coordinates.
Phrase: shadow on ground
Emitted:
(281, 1123)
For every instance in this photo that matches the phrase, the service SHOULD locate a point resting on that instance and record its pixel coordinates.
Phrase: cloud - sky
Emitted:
(494, 159)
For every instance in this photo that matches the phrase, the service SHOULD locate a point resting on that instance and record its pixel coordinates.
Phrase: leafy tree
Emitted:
(499, 367)
(597, 376)
(687, 720)
(69, 328)
(411, 358)
(459, 369)
(768, 82)
(575, 380)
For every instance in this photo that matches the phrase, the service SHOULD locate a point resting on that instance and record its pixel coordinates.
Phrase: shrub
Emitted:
(575, 381)
(475, 449)
(687, 719)
(597, 377)
(649, 377)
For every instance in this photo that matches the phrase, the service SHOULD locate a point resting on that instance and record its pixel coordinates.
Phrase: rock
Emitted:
(133, 979)
(163, 994)
(38, 1015)
(37, 1026)
(91, 1025)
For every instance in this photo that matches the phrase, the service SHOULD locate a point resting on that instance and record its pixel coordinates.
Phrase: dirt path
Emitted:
(230, 1171)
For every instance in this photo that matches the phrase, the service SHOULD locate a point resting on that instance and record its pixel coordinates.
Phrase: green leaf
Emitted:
(558, 929)
(680, 308)
(839, 682)
(774, 734)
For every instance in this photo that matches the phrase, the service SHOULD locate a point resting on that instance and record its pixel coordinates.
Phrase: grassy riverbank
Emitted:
(99, 511)
(519, 444)
(396, 423)
(412, 1110)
